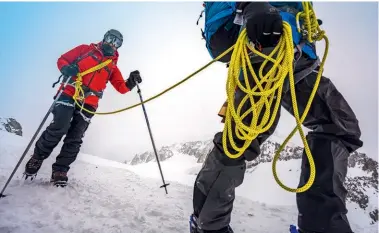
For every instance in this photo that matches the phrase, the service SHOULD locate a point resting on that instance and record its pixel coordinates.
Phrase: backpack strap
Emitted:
(92, 54)
(201, 14)
(197, 22)
(305, 69)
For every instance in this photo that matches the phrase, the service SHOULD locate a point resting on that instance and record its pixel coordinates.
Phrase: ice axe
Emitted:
(66, 81)
(151, 137)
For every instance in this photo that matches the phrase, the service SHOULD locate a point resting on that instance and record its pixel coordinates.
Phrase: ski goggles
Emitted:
(113, 40)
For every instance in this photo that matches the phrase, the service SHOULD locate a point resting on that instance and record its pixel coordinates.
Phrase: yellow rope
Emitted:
(161, 93)
(314, 33)
(268, 87)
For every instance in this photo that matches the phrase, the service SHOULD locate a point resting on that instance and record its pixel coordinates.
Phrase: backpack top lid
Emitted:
(218, 14)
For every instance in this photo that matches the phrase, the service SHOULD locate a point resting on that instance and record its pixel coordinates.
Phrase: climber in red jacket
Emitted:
(70, 119)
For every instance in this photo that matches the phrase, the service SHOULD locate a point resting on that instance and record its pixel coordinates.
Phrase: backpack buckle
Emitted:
(238, 19)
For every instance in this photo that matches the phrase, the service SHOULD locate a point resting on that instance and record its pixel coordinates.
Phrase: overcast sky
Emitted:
(163, 41)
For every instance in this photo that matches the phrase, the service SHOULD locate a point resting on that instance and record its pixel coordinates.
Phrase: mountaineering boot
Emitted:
(194, 227)
(293, 229)
(193, 224)
(59, 178)
(32, 167)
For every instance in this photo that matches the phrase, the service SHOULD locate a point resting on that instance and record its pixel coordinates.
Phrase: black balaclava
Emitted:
(107, 49)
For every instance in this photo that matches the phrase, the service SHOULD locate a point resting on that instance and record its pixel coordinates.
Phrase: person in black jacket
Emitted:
(335, 133)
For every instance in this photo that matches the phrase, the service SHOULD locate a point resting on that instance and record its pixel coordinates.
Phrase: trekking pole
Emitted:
(34, 136)
(152, 140)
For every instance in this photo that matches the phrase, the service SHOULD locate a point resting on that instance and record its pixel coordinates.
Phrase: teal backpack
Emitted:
(221, 29)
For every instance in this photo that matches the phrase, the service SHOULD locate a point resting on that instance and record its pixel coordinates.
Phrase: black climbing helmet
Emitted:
(113, 37)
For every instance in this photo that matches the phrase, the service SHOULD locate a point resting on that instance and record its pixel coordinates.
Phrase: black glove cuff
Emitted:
(256, 8)
(130, 83)
(70, 70)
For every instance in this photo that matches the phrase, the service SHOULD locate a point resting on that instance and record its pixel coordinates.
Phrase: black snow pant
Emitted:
(68, 120)
(334, 134)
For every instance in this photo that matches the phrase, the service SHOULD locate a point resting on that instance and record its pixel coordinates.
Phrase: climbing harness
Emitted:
(268, 87)
(81, 91)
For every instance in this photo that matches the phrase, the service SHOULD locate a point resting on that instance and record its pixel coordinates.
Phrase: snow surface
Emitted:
(107, 196)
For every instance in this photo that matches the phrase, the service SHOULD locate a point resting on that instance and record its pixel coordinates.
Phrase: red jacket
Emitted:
(90, 56)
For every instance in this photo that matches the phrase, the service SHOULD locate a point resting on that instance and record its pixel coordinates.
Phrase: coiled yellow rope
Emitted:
(268, 88)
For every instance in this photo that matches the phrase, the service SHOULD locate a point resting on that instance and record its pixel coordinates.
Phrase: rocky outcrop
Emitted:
(163, 154)
(11, 125)
(198, 149)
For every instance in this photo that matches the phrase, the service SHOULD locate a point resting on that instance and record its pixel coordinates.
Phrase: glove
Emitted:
(70, 70)
(134, 77)
(263, 23)
(71, 81)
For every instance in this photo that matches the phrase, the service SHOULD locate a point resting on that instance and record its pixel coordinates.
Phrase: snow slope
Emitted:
(105, 196)
(259, 184)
